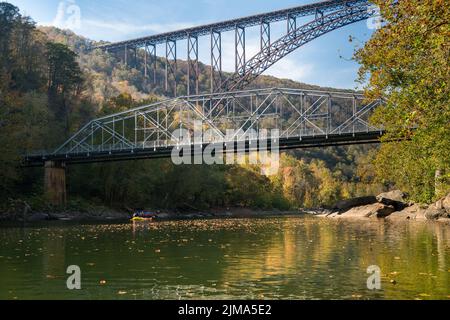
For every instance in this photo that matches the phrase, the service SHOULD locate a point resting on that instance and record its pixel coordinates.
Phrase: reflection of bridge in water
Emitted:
(303, 118)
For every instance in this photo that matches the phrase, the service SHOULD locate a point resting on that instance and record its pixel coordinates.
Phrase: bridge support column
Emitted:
(55, 182)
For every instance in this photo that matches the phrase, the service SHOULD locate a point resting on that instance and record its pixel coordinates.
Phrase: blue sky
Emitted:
(318, 63)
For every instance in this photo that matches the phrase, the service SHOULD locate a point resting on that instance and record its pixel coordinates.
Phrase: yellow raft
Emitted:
(139, 219)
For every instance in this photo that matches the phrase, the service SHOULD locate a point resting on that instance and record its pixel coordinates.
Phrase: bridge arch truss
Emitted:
(326, 17)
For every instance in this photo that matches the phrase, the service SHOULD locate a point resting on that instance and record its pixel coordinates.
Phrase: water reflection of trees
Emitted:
(330, 258)
(277, 258)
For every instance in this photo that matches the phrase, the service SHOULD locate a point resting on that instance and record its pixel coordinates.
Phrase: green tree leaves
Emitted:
(407, 62)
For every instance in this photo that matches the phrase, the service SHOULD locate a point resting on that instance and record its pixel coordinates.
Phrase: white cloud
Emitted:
(126, 28)
(291, 69)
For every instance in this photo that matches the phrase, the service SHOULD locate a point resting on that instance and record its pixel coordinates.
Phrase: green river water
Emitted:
(267, 258)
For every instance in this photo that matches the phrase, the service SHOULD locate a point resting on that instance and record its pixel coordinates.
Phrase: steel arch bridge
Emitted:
(326, 17)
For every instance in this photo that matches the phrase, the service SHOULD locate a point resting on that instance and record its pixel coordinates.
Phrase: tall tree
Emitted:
(407, 63)
(64, 81)
(9, 15)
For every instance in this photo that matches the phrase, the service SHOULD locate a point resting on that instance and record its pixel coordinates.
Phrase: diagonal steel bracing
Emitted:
(150, 62)
(192, 68)
(216, 61)
(239, 48)
(171, 67)
(264, 35)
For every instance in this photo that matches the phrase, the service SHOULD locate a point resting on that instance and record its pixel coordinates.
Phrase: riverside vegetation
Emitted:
(51, 84)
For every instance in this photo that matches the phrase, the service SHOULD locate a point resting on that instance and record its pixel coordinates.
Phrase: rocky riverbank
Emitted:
(391, 206)
(20, 211)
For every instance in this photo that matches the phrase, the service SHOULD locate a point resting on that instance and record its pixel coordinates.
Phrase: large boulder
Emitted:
(395, 198)
(445, 203)
(439, 209)
(355, 202)
(395, 195)
(435, 213)
(375, 210)
(414, 212)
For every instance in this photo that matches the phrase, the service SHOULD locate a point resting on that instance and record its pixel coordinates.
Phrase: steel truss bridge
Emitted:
(303, 118)
(326, 16)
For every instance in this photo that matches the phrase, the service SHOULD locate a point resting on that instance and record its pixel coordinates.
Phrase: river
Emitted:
(266, 258)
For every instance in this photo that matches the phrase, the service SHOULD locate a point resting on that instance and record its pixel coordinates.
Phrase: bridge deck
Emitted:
(166, 152)
(251, 21)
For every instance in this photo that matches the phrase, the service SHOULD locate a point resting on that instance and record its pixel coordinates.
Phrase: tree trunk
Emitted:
(438, 183)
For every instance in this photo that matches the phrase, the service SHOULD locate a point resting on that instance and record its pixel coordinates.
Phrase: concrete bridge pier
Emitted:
(55, 182)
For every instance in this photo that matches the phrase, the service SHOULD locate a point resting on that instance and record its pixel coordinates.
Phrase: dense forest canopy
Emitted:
(407, 63)
(51, 85)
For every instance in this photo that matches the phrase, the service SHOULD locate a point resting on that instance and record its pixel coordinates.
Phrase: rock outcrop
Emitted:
(395, 198)
(393, 206)
(439, 209)
(414, 212)
(375, 210)
(355, 202)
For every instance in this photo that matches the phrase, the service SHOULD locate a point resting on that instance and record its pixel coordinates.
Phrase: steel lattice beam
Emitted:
(171, 67)
(239, 48)
(192, 71)
(150, 61)
(291, 23)
(216, 60)
(265, 35)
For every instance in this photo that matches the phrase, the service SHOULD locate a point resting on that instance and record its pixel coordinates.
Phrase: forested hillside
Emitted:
(51, 85)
